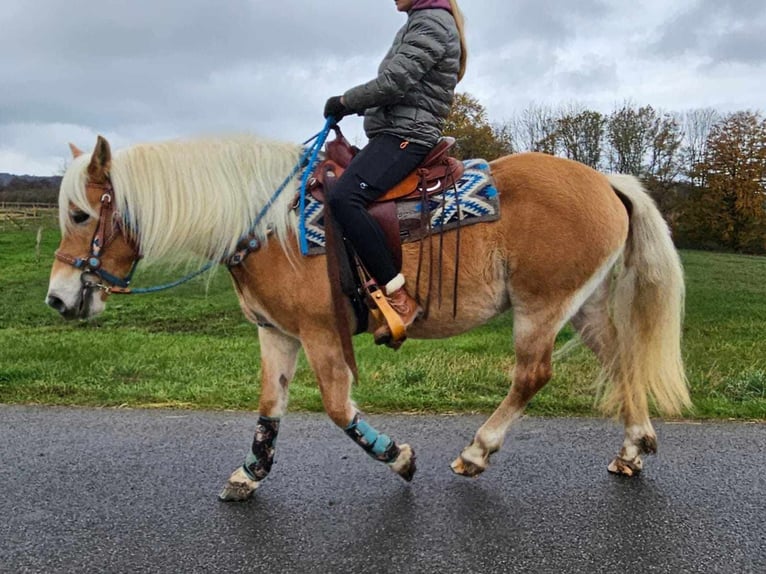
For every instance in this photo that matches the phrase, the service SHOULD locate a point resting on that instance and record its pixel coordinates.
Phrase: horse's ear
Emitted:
(100, 162)
(76, 152)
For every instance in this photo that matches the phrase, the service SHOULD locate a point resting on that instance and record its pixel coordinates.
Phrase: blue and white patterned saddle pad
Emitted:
(473, 200)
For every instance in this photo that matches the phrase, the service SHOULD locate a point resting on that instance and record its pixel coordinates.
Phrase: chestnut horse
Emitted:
(571, 245)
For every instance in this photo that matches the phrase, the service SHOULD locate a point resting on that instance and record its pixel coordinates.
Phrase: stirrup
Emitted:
(383, 313)
(382, 334)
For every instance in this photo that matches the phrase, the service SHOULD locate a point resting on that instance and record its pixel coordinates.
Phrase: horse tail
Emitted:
(647, 311)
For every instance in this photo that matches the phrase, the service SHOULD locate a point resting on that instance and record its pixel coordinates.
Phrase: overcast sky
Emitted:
(138, 70)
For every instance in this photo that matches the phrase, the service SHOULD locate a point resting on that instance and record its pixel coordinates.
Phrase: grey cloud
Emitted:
(594, 75)
(102, 30)
(746, 47)
(724, 31)
(145, 69)
(551, 23)
(115, 60)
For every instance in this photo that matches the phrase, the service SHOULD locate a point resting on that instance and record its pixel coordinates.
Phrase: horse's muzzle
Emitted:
(80, 309)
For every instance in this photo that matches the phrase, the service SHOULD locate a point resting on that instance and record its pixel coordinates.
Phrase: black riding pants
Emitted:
(384, 162)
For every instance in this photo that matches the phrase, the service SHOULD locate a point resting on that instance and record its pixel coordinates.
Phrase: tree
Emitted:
(629, 132)
(731, 209)
(580, 135)
(534, 129)
(665, 139)
(696, 126)
(661, 172)
(476, 138)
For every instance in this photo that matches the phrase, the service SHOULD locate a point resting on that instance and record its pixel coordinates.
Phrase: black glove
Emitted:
(335, 108)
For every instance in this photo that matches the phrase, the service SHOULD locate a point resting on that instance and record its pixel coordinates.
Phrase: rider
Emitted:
(405, 108)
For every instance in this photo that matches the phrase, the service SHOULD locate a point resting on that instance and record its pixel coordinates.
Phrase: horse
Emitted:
(571, 245)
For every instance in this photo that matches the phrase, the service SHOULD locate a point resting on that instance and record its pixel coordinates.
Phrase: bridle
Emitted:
(109, 227)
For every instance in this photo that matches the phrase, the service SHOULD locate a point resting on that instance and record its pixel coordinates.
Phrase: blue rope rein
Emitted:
(311, 153)
(166, 286)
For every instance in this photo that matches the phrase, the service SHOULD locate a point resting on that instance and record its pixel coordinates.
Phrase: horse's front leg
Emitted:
(325, 354)
(279, 353)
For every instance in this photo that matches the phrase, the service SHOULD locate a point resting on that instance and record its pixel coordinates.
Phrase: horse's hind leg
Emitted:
(594, 324)
(325, 355)
(279, 353)
(534, 338)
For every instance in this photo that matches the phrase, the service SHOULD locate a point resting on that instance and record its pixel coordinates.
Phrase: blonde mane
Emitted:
(194, 197)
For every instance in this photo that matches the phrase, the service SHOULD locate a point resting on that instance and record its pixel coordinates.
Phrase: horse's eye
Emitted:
(79, 216)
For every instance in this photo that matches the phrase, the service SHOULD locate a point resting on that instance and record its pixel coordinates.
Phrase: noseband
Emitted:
(108, 229)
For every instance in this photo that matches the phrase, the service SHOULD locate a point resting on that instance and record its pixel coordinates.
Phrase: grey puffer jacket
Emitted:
(413, 92)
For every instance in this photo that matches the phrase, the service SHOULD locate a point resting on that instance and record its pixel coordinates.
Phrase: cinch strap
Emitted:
(258, 462)
(378, 446)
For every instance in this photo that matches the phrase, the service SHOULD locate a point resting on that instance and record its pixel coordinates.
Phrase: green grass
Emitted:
(192, 348)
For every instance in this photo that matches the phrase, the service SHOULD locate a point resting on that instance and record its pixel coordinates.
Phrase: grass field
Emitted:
(192, 348)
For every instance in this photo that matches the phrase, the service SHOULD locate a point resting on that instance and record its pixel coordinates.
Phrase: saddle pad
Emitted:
(477, 199)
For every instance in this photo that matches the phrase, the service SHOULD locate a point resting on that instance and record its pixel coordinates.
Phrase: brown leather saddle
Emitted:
(437, 173)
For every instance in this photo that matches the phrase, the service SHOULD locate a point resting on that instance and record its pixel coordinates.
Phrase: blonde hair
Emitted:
(194, 197)
(460, 21)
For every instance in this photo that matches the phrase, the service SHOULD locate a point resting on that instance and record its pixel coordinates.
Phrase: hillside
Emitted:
(29, 188)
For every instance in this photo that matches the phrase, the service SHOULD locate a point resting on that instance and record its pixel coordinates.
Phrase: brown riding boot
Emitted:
(407, 308)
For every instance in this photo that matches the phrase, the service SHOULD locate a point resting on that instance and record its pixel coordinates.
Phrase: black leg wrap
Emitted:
(258, 463)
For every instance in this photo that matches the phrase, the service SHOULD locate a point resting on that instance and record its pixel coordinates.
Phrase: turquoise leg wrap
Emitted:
(378, 446)
(261, 456)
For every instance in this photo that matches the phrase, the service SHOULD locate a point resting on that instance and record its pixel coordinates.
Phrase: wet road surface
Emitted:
(89, 490)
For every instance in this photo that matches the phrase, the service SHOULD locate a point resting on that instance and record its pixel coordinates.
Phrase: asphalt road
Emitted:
(85, 490)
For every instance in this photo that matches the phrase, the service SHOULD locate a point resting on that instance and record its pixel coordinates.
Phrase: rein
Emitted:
(110, 283)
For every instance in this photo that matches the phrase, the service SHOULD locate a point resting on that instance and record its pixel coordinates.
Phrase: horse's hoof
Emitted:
(472, 461)
(404, 464)
(238, 488)
(464, 467)
(625, 467)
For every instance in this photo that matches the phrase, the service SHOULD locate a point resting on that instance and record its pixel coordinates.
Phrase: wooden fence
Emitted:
(17, 214)
(14, 205)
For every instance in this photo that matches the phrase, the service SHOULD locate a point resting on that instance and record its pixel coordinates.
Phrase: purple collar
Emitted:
(424, 4)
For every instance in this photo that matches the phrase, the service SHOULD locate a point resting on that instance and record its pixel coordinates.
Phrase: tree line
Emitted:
(29, 189)
(706, 170)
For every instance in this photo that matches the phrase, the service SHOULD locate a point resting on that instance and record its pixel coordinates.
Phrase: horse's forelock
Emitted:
(72, 191)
